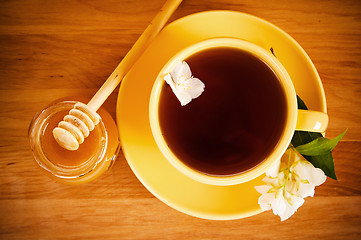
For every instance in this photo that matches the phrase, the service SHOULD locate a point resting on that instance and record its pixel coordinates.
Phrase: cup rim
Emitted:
(287, 132)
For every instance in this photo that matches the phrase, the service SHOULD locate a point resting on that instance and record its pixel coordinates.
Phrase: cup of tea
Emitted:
(243, 121)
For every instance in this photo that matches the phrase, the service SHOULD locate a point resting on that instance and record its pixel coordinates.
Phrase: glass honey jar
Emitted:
(93, 157)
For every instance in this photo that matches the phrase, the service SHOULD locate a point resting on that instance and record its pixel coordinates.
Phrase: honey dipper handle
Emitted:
(135, 52)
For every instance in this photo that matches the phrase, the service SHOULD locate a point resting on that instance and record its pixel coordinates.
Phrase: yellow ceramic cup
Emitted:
(295, 120)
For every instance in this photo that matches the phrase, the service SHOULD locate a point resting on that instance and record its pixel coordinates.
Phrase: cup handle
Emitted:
(311, 121)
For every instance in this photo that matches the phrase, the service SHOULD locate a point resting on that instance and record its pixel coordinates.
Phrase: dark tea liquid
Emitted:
(236, 122)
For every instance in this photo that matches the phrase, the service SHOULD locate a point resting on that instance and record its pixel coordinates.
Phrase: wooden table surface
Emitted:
(50, 49)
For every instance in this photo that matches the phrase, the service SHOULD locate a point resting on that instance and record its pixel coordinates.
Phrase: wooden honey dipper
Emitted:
(82, 119)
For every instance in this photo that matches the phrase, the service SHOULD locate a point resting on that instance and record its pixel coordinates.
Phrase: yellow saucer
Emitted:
(145, 159)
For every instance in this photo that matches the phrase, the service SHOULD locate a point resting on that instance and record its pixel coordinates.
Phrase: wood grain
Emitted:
(51, 49)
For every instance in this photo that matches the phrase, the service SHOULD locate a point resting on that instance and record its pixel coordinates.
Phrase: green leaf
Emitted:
(301, 104)
(319, 146)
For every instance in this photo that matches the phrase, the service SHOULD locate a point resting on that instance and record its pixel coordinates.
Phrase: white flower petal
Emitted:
(265, 206)
(301, 168)
(265, 200)
(182, 96)
(195, 87)
(291, 187)
(317, 177)
(305, 170)
(181, 72)
(289, 211)
(263, 188)
(173, 86)
(274, 169)
(281, 178)
(271, 181)
(306, 190)
(294, 200)
(168, 79)
(279, 204)
(292, 204)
